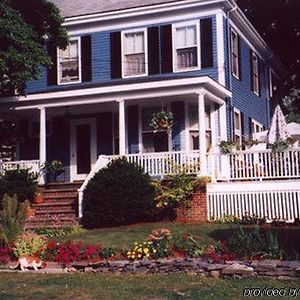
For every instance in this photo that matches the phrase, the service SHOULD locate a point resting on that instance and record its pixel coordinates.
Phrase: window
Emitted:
(153, 141)
(235, 55)
(255, 73)
(186, 54)
(237, 127)
(69, 63)
(134, 53)
(272, 86)
(194, 127)
(255, 127)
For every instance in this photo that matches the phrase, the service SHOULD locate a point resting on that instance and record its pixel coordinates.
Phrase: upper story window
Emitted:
(237, 126)
(255, 81)
(134, 53)
(235, 54)
(69, 63)
(186, 52)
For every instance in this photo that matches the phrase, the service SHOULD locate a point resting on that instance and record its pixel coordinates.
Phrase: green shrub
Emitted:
(12, 218)
(58, 232)
(19, 182)
(119, 194)
(30, 243)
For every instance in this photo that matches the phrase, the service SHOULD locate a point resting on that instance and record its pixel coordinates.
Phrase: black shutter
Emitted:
(242, 126)
(251, 70)
(250, 128)
(259, 75)
(115, 55)
(206, 43)
(86, 58)
(52, 70)
(153, 50)
(166, 49)
(239, 57)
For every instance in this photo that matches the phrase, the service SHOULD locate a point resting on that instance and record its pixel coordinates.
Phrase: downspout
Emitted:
(233, 8)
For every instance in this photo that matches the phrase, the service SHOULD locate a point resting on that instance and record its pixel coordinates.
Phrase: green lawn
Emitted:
(97, 286)
(125, 236)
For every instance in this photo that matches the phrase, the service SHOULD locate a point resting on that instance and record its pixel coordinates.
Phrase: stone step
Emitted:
(63, 185)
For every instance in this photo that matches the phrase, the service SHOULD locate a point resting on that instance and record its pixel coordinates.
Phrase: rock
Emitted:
(298, 270)
(285, 278)
(119, 263)
(203, 264)
(71, 270)
(145, 261)
(215, 274)
(129, 269)
(212, 267)
(269, 264)
(293, 264)
(164, 261)
(80, 265)
(88, 270)
(237, 269)
(278, 273)
(187, 264)
(191, 273)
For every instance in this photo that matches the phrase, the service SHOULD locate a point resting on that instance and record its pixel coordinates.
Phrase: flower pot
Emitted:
(30, 212)
(38, 198)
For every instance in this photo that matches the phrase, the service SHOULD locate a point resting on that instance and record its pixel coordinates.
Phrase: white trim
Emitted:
(140, 126)
(136, 30)
(239, 131)
(195, 23)
(271, 83)
(254, 124)
(78, 39)
(174, 84)
(93, 150)
(213, 125)
(42, 141)
(255, 87)
(187, 126)
(220, 47)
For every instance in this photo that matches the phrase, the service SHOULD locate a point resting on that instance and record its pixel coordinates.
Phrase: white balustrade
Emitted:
(258, 164)
(33, 165)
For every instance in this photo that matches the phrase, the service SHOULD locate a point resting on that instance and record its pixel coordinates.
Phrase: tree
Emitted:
(279, 23)
(25, 29)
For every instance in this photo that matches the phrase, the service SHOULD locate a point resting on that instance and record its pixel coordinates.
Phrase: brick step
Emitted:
(56, 209)
(63, 185)
(61, 212)
(60, 195)
(56, 203)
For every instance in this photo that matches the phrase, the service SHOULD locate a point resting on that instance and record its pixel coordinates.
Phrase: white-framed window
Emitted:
(69, 63)
(153, 141)
(256, 127)
(235, 55)
(255, 73)
(134, 53)
(237, 126)
(272, 86)
(186, 49)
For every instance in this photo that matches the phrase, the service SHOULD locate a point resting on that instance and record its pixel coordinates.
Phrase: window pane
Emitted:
(134, 64)
(191, 39)
(237, 123)
(180, 37)
(187, 58)
(139, 42)
(129, 43)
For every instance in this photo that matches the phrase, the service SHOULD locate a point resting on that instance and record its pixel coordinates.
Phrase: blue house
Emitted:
(201, 60)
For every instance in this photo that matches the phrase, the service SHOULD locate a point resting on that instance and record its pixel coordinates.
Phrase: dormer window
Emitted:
(134, 53)
(69, 63)
(186, 54)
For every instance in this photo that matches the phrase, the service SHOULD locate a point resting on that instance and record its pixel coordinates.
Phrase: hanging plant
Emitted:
(162, 120)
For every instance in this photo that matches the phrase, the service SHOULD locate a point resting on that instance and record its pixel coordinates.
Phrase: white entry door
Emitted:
(83, 146)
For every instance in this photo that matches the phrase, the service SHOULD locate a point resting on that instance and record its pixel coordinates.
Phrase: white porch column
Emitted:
(122, 128)
(202, 133)
(42, 140)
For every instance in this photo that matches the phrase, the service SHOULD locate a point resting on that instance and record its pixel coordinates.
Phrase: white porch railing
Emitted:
(160, 164)
(33, 165)
(272, 200)
(259, 164)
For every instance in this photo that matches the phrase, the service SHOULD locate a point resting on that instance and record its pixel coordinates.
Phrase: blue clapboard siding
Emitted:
(101, 73)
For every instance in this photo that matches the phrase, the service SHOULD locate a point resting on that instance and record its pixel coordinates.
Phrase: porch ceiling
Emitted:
(128, 92)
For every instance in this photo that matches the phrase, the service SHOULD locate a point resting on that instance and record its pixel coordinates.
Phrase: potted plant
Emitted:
(53, 169)
(38, 197)
(229, 147)
(162, 120)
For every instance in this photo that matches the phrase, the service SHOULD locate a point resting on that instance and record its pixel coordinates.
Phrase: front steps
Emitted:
(59, 209)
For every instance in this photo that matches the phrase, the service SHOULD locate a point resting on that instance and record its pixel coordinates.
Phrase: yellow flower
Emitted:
(154, 251)
(128, 253)
(147, 255)
(146, 250)
(135, 243)
(139, 256)
(132, 256)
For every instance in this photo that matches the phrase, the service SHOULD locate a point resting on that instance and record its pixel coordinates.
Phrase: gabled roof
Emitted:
(71, 8)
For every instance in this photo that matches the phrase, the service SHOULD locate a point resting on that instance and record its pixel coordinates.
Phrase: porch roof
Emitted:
(111, 92)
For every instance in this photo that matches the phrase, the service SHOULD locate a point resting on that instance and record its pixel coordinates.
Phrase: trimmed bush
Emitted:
(19, 182)
(119, 194)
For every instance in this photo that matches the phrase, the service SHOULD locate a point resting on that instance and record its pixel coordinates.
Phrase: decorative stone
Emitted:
(191, 273)
(212, 267)
(142, 270)
(237, 269)
(298, 270)
(285, 278)
(71, 270)
(269, 264)
(129, 269)
(215, 274)
(145, 261)
(118, 263)
(293, 264)
(80, 265)
(88, 270)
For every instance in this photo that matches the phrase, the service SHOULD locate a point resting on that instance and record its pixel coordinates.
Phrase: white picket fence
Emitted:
(33, 165)
(272, 200)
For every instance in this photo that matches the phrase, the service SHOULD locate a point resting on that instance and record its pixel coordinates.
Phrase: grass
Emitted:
(98, 286)
(124, 236)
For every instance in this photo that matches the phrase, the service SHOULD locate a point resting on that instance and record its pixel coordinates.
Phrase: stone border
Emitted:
(283, 270)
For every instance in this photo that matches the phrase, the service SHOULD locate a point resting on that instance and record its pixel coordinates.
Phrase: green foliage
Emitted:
(162, 120)
(12, 218)
(25, 31)
(228, 219)
(177, 189)
(119, 194)
(30, 243)
(190, 245)
(58, 232)
(19, 182)
(251, 242)
(228, 147)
